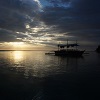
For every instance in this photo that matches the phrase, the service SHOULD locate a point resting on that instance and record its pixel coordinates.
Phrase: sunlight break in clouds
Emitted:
(38, 3)
(46, 22)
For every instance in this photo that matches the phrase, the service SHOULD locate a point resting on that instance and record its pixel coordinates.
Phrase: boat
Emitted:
(50, 53)
(68, 52)
(98, 49)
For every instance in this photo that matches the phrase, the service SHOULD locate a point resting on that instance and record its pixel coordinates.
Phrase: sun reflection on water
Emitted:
(17, 58)
(18, 55)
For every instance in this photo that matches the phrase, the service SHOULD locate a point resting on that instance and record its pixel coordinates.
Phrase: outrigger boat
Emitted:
(64, 50)
(68, 52)
(98, 49)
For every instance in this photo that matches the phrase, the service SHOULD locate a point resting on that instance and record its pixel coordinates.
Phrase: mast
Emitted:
(67, 44)
(58, 46)
(76, 44)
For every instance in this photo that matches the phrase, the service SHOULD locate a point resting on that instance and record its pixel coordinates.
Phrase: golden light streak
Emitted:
(16, 43)
(18, 55)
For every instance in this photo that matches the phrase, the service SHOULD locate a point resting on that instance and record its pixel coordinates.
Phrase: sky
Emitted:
(42, 24)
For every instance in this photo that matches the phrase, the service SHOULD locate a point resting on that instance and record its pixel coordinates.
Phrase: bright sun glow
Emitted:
(16, 43)
(17, 56)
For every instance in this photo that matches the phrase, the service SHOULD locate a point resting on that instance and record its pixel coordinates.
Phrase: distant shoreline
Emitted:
(24, 50)
(43, 50)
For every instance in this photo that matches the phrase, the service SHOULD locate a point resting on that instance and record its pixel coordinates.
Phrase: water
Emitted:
(32, 75)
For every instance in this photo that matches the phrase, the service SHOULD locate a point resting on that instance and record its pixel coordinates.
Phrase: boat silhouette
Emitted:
(68, 52)
(98, 49)
(65, 50)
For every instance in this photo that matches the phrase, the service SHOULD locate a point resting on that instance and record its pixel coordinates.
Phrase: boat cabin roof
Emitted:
(67, 45)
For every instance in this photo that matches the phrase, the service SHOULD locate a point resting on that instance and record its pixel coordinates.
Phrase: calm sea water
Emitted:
(32, 75)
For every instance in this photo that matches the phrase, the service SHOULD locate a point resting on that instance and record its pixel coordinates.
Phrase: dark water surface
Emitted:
(32, 75)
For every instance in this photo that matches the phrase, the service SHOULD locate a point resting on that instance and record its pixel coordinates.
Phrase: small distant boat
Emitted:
(68, 52)
(50, 53)
(98, 49)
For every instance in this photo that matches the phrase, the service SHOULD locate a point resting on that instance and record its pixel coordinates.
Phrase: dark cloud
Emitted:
(5, 35)
(15, 14)
(9, 36)
(59, 2)
(81, 18)
(80, 15)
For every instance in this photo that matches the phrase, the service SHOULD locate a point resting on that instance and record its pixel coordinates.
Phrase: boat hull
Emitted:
(69, 53)
(98, 49)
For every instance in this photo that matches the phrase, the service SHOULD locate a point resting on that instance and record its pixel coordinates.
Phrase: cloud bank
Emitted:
(49, 21)
(16, 14)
